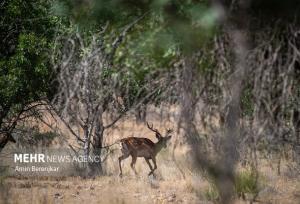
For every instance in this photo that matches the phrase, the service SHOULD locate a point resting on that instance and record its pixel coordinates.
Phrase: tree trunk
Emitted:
(96, 167)
(296, 123)
(140, 114)
(86, 151)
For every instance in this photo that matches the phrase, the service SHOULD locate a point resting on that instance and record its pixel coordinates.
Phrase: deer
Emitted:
(143, 147)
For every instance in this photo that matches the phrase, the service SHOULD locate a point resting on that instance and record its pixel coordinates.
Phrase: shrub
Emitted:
(45, 137)
(211, 193)
(31, 136)
(246, 182)
(247, 186)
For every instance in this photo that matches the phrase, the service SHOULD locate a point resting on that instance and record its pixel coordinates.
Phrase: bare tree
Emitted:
(10, 119)
(92, 97)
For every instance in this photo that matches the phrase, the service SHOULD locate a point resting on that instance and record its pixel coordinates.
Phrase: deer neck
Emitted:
(158, 147)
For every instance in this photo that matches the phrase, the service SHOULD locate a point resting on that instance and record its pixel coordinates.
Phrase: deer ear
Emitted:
(158, 136)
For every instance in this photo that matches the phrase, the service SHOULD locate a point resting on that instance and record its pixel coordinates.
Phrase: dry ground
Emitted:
(169, 187)
(130, 189)
(106, 190)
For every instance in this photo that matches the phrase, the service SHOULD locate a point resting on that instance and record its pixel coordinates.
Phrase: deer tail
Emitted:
(107, 146)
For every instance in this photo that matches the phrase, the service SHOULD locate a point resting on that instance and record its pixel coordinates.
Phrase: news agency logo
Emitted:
(42, 158)
(40, 162)
(29, 158)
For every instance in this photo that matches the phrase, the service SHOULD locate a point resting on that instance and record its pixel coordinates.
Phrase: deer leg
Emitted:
(149, 164)
(124, 156)
(155, 166)
(133, 161)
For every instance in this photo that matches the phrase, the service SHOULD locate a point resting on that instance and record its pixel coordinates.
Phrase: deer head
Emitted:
(161, 140)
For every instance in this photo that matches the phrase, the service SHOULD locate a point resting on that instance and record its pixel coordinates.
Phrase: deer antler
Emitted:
(154, 130)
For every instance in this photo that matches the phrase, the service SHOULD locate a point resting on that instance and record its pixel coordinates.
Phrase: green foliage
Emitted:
(247, 101)
(23, 75)
(211, 193)
(167, 27)
(47, 136)
(33, 137)
(92, 13)
(154, 44)
(246, 182)
(27, 30)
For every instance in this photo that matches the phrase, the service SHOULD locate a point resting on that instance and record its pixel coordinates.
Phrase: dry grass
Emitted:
(100, 190)
(131, 189)
(169, 186)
